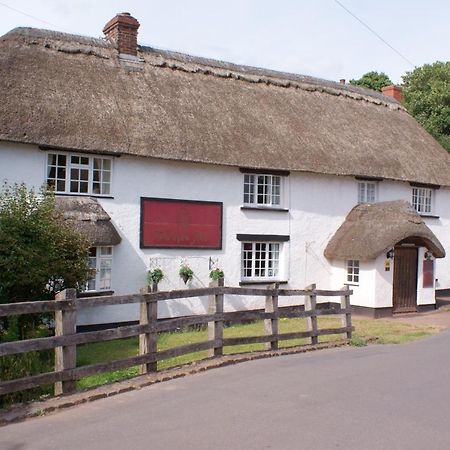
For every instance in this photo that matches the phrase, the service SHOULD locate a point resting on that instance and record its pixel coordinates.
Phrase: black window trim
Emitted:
(282, 173)
(424, 185)
(368, 178)
(262, 237)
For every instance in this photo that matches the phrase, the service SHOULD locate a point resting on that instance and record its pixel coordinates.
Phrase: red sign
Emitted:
(428, 273)
(167, 223)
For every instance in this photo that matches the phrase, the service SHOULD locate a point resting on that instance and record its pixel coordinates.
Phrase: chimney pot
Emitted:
(393, 91)
(123, 30)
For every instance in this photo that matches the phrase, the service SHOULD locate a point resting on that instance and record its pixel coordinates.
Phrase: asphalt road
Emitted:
(376, 397)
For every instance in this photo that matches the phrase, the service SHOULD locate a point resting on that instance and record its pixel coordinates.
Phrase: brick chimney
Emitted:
(393, 91)
(123, 30)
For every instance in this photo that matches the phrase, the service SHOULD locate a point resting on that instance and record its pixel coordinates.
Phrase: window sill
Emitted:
(429, 216)
(352, 284)
(264, 208)
(87, 294)
(253, 282)
(79, 194)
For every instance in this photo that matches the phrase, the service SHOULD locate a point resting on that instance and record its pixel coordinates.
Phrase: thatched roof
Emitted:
(372, 229)
(73, 92)
(89, 218)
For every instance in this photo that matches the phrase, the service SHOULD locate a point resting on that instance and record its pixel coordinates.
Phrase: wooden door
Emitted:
(405, 279)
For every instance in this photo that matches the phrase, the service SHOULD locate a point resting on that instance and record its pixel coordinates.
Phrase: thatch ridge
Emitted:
(207, 66)
(369, 230)
(52, 35)
(251, 74)
(178, 107)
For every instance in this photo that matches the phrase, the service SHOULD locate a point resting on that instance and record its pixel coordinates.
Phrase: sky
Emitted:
(310, 37)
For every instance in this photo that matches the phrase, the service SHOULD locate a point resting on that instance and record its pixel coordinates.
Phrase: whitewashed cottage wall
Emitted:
(317, 205)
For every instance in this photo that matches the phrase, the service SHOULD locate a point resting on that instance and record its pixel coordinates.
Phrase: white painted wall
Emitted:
(425, 296)
(364, 292)
(317, 206)
(21, 163)
(441, 228)
(383, 282)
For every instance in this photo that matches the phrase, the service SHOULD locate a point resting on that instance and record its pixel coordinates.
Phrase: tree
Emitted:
(40, 252)
(427, 97)
(373, 80)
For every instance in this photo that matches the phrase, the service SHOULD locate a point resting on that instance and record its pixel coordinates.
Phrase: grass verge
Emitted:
(386, 332)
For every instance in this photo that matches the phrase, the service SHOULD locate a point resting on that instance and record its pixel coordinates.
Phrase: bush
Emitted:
(23, 365)
(40, 253)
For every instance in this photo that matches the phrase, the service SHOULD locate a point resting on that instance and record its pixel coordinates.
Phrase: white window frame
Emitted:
(353, 273)
(104, 257)
(261, 267)
(423, 199)
(367, 192)
(274, 182)
(69, 165)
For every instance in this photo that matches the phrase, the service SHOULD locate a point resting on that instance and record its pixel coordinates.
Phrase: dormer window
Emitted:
(264, 189)
(79, 174)
(367, 192)
(422, 200)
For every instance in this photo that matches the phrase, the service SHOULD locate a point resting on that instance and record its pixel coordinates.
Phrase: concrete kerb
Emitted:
(44, 407)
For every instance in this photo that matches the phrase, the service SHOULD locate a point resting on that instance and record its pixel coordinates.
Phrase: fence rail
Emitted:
(66, 338)
(12, 309)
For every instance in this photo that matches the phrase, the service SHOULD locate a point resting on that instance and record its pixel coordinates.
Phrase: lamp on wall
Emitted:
(390, 254)
(428, 255)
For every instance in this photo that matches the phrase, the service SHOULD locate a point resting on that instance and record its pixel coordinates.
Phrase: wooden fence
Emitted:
(66, 338)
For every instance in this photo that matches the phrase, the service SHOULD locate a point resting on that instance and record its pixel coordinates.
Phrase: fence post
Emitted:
(148, 342)
(346, 318)
(215, 329)
(311, 322)
(271, 325)
(66, 356)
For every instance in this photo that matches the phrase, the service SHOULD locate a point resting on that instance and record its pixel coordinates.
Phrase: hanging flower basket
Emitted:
(186, 273)
(154, 276)
(216, 274)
